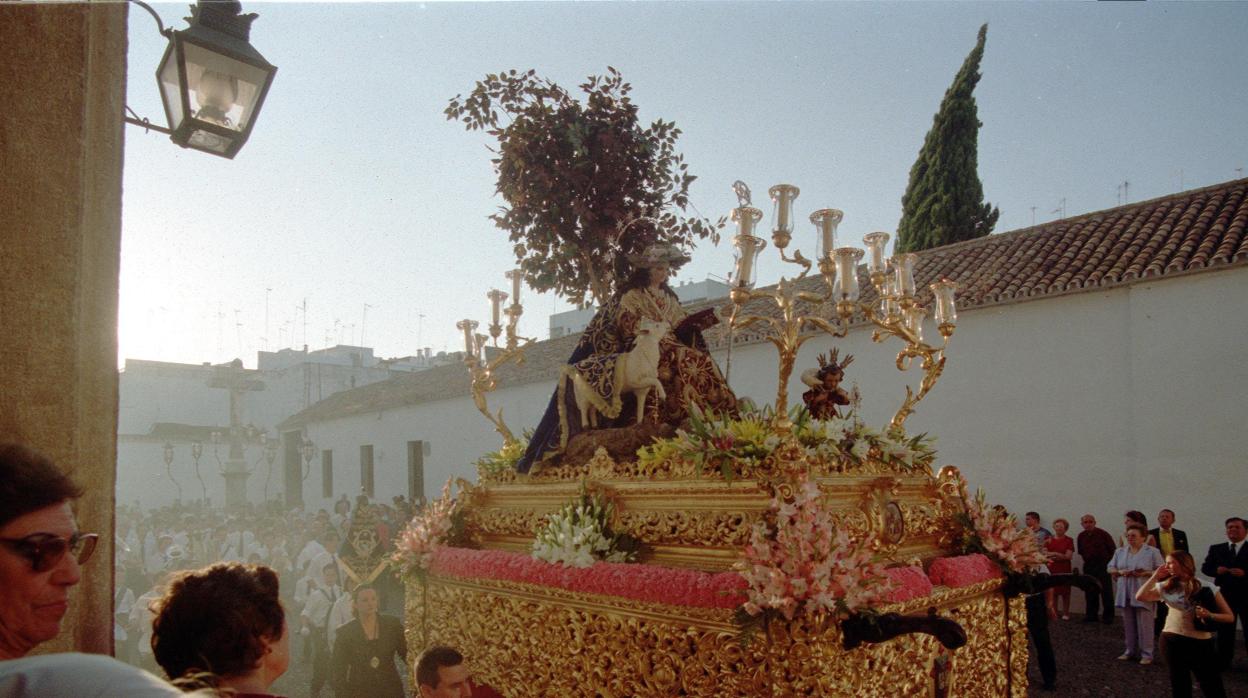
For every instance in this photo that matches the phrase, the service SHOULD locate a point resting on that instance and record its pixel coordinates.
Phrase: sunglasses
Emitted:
(44, 550)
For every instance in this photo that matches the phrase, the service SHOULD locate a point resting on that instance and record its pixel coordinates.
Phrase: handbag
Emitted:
(1205, 599)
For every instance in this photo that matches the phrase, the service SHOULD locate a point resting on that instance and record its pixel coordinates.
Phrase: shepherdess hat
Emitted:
(659, 253)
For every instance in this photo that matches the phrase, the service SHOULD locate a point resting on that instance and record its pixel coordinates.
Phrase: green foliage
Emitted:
(944, 201)
(573, 174)
(499, 462)
(728, 446)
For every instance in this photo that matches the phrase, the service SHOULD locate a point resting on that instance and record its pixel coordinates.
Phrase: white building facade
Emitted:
(164, 403)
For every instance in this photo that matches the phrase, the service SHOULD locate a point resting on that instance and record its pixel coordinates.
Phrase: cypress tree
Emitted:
(944, 201)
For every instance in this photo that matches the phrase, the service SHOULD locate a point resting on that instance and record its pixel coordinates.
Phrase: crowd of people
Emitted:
(1150, 577)
(218, 604)
(300, 548)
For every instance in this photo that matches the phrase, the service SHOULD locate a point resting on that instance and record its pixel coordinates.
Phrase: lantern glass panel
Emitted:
(221, 90)
(170, 87)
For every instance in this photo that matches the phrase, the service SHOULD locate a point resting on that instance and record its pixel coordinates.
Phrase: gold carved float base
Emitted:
(528, 641)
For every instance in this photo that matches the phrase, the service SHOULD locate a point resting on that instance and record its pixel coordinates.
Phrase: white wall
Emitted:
(1096, 402)
(152, 392)
(456, 432)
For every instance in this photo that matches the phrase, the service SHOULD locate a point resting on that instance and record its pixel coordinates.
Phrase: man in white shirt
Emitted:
(321, 598)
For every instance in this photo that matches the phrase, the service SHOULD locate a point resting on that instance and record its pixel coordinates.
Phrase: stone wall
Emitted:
(62, 83)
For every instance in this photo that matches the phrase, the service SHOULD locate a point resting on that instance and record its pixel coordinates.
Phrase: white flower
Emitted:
(860, 449)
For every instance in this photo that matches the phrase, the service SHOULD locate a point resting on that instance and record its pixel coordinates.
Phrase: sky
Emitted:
(356, 199)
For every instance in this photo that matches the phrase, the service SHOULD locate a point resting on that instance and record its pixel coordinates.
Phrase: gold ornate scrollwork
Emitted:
(886, 524)
(531, 641)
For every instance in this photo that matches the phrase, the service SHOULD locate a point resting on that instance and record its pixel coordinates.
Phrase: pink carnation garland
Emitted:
(963, 570)
(908, 583)
(649, 583)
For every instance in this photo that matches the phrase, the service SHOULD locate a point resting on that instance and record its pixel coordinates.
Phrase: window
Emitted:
(366, 470)
(327, 474)
(416, 472)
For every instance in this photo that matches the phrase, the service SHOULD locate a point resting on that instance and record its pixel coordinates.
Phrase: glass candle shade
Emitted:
(888, 298)
(846, 260)
(496, 304)
(825, 220)
(946, 310)
(914, 321)
(875, 243)
(746, 218)
(468, 327)
(782, 196)
(747, 249)
(516, 277)
(903, 267)
(482, 342)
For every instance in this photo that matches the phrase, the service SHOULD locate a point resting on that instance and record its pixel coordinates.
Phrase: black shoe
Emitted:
(1089, 620)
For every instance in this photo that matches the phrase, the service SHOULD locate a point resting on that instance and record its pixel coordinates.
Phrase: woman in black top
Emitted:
(364, 651)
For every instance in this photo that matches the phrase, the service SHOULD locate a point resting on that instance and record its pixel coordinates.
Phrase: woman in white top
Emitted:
(1132, 564)
(1186, 649)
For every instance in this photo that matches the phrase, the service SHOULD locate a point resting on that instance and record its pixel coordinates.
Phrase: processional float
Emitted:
(764, 553)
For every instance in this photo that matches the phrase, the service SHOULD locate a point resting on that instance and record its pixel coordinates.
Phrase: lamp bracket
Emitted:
(160, 25)
(135, 119)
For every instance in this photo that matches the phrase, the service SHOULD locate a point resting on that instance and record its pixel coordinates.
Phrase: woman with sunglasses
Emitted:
(41, 551)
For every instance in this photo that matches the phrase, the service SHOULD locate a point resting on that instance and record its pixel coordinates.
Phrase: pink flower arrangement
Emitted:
(1000, 535)
(963, 570)
(424, 534)
(908, 583)
(799, 563)
(649, 583)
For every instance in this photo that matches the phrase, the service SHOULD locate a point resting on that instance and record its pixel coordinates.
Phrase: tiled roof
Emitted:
(1187, 232)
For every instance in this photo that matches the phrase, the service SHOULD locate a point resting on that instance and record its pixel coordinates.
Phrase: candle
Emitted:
(746, 217)
(914, 321)
(747, 247)
(482, 339)
(496, 303)
(825, 220)
(888, 297)
(468, 326)
(903, 264)
(946, 311)
(516, 277)
(783, 196)
(846, 259)
(875, 243)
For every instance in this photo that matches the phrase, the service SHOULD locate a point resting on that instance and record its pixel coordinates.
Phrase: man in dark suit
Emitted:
(1227, 563)
(1169, 539)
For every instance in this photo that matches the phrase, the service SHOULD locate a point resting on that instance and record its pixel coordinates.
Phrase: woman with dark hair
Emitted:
(223, 625)
(41, 549)
(1186, 647)
(1132, 518)
(685, 368)
(365, 649)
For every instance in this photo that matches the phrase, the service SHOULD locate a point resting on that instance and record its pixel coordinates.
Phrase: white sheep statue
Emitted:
(639, 373)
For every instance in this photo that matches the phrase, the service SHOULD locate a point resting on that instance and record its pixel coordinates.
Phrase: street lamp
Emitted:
(270, 455)
(309, 450)
(169, 469)
(197, 450)
(212, 80)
